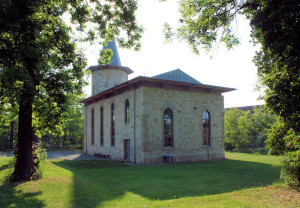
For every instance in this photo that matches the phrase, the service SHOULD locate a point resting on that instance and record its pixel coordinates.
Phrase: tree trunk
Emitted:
(11, 133)
(65, 138)
(24, 168)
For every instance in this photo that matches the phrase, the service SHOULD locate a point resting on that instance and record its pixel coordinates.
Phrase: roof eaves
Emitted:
(194, 84)
(103, 67)
(140, 78)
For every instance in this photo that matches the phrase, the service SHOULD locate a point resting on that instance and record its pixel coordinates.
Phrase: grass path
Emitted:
(243, 180)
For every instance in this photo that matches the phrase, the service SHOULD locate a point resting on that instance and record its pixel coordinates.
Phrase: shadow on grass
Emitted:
(3, 167)
(96, 182)
(10, 196)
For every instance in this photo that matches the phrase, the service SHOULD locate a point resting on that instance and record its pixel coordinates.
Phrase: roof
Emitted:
(115, 62)
(99, 67)
(178, 76)
(115, 59)
(155, 82)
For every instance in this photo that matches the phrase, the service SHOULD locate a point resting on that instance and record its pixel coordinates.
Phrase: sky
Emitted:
(228, 68)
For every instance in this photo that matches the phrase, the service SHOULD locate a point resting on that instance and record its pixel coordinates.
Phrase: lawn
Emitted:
(243, 180)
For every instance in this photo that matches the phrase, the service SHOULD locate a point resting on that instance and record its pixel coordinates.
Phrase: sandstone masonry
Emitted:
(142, 139)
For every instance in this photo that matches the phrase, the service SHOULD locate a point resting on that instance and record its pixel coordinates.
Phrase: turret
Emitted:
(110, 75)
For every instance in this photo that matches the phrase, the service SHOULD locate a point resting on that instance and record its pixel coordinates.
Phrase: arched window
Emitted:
(127, 112)
(101, 126)
(113, 122)
(92, 128)
(168, 128)
(206, 128)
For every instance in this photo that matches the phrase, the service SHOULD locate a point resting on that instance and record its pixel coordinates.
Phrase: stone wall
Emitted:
(122, 130)
(187, 108)
(107, 78)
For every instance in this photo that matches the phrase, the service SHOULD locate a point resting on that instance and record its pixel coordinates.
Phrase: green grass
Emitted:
(243, 180)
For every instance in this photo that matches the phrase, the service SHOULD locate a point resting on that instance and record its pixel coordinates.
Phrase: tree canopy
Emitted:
(41, 60)
(246, 131)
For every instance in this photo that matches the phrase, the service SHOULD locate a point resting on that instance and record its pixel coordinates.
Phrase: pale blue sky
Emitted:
(232, 68)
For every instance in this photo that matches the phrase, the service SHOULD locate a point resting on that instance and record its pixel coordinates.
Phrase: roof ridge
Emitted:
(177, 75)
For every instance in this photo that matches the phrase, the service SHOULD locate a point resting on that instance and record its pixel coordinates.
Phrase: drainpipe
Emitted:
(134, 126)
(85, 128)
(209, 149)
(208, 152)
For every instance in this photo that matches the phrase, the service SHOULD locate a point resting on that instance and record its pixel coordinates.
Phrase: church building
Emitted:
(170, 117)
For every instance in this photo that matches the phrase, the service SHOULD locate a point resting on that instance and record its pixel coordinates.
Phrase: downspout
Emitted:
(209, 144)
(208, 152)
(134, 126)
(85, 128)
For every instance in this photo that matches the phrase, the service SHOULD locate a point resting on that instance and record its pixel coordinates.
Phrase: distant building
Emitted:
(246, 108)
(170, 117)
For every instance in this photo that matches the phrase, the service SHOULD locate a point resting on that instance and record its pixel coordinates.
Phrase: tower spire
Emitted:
(115, 59)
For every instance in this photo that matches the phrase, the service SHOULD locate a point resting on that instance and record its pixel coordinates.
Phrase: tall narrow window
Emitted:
(206, 128)
(101, 126)
(127, 112)
(168, 128)
(113, 122)
(93, 128)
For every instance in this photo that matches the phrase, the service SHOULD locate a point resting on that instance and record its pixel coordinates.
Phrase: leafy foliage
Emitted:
(8, 119)
(39, 157)
(71, 130)
(281, 140)
(204, 21)
(4, 138)
(245, 131)
(291, 167)
(275, 27)
(41, 61)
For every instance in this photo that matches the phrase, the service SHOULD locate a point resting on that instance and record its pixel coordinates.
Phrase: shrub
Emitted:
(283, 140)
(291, 168)
(39, 156)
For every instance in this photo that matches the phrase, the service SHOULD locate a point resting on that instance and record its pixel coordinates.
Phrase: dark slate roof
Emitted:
(115, 59)
(178, 76)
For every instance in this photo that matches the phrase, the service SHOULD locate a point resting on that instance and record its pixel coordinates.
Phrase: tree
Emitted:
(233, 136)
(245, 131)
(275, 27)
(8, 119)
(41, 61)
(71, 126)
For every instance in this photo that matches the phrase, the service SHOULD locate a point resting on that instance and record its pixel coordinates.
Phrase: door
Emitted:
(127, 149)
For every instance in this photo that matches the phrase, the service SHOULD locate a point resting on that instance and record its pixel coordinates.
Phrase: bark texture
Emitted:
(24, 168)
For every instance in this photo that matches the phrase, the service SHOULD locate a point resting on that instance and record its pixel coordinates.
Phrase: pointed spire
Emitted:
(115, 59)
